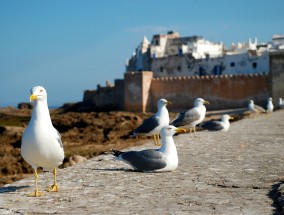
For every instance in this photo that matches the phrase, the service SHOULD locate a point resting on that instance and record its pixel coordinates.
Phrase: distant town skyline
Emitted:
(69, 46)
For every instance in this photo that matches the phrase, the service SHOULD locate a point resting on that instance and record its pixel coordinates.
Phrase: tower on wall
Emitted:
(136, 90)
(276, 75)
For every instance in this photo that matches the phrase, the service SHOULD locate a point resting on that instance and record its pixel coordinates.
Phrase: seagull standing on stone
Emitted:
(192, 117)
(153, 125)
(280, 103)
(41, 142)
(255, 108)
(270, 106)
(162, 159)
(222, 125)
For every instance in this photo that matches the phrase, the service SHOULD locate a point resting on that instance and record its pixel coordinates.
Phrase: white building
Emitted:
(172, 55)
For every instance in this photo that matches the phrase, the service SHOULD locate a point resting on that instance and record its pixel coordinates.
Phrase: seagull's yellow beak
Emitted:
(231, 117)
(169, 102)
(180, 130)
(33, 97)
(206, 102)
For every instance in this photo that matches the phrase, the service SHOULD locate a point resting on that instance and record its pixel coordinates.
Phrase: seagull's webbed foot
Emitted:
(158, 144)
(35, 194)
(52, 188)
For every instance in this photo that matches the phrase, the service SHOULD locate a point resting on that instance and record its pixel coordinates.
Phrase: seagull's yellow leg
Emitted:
(54, 187)
(155, 139)
(194, 131)
(157, 143)
(36, 193)
(190, 132)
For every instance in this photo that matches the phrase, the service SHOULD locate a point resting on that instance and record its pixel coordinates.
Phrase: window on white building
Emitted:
(254, 65)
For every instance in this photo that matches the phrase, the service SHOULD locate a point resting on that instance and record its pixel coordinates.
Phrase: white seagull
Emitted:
(152, 125)
(161, 160)
(255, 108)
(280, 103)
(222, 125)
(41, 142)
(270, 106)
(192, 117)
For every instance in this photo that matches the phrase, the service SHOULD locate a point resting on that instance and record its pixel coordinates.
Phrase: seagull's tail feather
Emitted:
(116, 153)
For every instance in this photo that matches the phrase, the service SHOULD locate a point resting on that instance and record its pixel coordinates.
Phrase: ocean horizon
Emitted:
(16, 106)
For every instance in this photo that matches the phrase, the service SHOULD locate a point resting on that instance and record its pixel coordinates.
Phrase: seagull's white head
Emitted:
(251, 102)
(200, 101)
(270, 99)
(226, 117)
(170, 130)
(38, 93)
(163, 102)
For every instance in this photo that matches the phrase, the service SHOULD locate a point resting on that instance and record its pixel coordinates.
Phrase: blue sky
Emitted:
(69, 46)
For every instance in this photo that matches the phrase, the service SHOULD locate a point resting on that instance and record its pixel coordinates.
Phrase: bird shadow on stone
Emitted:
(120, 170)
(114, 169)
(276, 194)
(125, 170)
(11, 189)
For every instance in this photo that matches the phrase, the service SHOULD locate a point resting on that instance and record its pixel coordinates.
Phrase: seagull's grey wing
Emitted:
(212, 125)
(147, 125)
(178, 120)
(259, 108)
(186, 118)
(59, 139)
(146, 160)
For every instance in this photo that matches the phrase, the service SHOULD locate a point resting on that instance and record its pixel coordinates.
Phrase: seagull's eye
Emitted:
(41, 90)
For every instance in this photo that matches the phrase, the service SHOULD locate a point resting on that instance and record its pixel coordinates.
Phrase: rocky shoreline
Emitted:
(84, 136)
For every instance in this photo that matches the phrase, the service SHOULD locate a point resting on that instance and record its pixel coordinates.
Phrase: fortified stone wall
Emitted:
(225, 91)
(139, 91)
(105, 98)
(277, 75)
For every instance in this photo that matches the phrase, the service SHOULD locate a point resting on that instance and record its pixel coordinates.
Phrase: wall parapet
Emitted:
(223, 91)
(209, 77)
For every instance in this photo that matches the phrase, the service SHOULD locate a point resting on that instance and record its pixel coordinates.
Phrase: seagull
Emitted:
(41, 142)
(222, 125)
(152, 125)
(192, 117)
(280, 103)
(163, 159)
(255, 108)
(270, 106)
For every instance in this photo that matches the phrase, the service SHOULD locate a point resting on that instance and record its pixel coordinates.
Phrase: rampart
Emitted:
(225, 91)
(110, 97)
(139, 91)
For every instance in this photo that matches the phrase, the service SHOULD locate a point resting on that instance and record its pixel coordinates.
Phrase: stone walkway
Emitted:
(237, 172)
